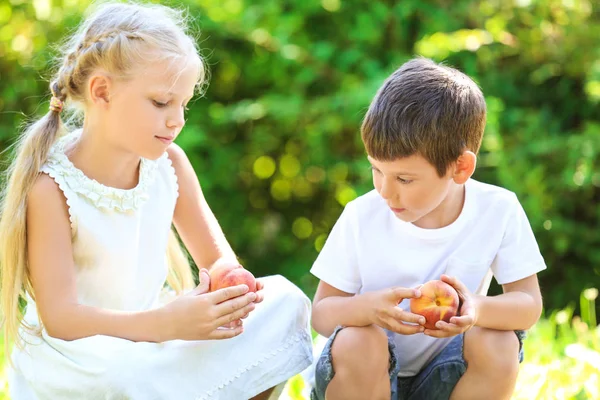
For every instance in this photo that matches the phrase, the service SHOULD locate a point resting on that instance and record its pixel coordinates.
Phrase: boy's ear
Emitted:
(99, 87)
(465, 167)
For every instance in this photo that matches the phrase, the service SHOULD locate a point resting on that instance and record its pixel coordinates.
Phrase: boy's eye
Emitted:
(372, 168)
(404, 181)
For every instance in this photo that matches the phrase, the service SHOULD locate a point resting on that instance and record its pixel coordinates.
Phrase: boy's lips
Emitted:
(397, 210)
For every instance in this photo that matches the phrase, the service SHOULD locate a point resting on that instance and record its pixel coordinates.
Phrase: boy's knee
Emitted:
(360, 348)
(492, 350)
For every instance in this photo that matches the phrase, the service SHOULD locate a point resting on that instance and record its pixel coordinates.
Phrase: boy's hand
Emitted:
(388, 315)
(467, 313)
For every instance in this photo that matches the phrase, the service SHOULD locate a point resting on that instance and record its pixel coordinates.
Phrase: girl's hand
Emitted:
(386, 313)
(199, 315)
(259, 291)
(467, 312)
(259, 297)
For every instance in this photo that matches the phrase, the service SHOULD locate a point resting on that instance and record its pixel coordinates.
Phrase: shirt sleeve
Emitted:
(337, 263)
(519, 255)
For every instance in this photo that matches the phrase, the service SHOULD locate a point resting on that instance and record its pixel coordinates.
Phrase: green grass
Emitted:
(562, 358)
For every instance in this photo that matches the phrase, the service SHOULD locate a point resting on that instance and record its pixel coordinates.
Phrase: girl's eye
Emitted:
(159, 104)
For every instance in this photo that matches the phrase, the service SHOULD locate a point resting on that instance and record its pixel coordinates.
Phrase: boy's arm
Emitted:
(519, 307)
(333, 307)
(515, 267)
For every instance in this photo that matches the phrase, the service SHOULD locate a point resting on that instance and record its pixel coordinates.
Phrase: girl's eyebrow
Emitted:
(169, 93)
(172, 94)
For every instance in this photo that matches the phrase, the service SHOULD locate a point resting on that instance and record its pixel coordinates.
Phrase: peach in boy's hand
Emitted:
(438, 302)
(468, 312)
(231, 274)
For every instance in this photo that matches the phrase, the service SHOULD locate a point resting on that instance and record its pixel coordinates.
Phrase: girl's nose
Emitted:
(177, 119)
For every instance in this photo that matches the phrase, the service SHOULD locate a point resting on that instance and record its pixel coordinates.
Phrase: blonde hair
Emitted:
(115, 38)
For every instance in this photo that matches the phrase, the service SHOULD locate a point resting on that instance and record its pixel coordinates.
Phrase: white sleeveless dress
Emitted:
(119, 239)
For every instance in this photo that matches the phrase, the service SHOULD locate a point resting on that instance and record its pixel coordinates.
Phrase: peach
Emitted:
(230, 274)
(438, 302)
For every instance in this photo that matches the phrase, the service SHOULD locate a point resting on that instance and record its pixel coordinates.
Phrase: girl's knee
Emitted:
(284, 290)
(279, 292)
(493, 350)
(361, 348)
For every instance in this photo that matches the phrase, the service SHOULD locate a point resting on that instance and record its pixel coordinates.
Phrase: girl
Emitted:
(86, 238)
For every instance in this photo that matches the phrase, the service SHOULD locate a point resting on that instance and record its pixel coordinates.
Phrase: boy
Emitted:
(425, 220)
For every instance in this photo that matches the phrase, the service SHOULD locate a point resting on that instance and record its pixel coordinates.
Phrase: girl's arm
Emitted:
(52, 271)
(193, 218)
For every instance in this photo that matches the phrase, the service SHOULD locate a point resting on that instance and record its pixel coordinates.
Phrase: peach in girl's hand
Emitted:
(230, 274)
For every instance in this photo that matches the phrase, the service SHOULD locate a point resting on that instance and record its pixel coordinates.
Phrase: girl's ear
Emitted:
(99, 86)
(465, 166)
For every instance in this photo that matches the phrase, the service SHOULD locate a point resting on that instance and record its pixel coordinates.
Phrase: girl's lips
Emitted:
(397, 210)
(165, 140)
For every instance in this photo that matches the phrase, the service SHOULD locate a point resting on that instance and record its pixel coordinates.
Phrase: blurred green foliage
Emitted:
(275, 140)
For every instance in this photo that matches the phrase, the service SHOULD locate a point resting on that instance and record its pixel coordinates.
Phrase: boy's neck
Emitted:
(447, 212)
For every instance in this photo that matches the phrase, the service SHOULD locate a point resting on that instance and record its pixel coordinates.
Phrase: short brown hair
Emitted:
(428, 109)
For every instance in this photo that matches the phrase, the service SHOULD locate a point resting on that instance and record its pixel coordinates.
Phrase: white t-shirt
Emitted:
(370, 249)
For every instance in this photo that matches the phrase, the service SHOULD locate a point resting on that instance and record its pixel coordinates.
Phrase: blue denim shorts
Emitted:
(434, 382)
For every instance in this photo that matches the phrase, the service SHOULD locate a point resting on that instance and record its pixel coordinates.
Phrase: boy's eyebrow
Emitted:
(396, 172)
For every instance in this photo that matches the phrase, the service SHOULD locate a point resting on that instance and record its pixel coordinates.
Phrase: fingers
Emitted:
(259, 291)
(236, 315)
(232, 324)
(399, 293)
(462, 321)
(234, 305)
(454, 282)
(445, 329)
(401, 315)
(221, 333)
(401, 328)
(438, 333)
(221, 295)
(204, 284)
(259, 285)
(259, 296)
(394, 319)
(467, 308)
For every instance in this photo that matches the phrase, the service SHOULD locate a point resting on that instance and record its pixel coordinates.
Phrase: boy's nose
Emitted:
(386, 190)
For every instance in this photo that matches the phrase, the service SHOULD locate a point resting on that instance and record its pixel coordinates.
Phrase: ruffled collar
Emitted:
(102, 196)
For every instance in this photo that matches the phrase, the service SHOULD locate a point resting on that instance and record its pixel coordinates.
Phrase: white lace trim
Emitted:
(292, 341)
(169, 163)
(62, 170)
